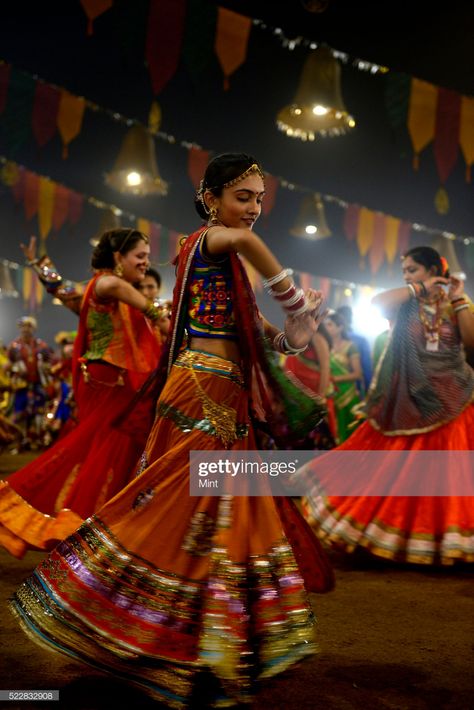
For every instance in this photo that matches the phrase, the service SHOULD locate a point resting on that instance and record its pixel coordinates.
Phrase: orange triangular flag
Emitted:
(70, 115)
(365, 230)
(232, 36)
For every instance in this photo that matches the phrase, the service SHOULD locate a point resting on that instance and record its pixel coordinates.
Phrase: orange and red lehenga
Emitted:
(420, 400)
(115, 350)
(161, 587)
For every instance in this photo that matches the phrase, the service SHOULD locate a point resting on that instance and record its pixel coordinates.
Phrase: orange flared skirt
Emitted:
(415, 529)
(159, 586)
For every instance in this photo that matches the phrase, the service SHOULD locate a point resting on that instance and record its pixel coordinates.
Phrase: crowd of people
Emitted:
(162, 588)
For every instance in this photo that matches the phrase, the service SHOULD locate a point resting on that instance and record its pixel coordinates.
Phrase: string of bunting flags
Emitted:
(55, 204)
(377, 235)
(428, 113)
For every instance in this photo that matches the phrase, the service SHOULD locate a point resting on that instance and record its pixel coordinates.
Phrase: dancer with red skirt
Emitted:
(420, 399)
(116, 348)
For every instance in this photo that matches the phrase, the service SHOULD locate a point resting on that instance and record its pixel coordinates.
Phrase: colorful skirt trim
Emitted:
(414, 529)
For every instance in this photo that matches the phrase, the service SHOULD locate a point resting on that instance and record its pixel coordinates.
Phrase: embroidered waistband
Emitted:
(207, 362)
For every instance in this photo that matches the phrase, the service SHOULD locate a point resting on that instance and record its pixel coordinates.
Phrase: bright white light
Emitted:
(367, 319)
(310, 229)
(319, 110)
(134, 178)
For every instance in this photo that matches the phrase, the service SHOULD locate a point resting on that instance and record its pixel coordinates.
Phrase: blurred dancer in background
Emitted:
(30, 361)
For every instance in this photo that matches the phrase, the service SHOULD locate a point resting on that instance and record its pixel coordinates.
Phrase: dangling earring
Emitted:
(213, 215)
(118, 270)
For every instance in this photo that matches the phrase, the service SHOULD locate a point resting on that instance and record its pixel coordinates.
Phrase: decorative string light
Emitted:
(292, 42)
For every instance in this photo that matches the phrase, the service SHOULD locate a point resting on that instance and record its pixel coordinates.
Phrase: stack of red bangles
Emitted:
(293, 300)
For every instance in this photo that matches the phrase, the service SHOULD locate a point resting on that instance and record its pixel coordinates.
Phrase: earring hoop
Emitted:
(118, 270)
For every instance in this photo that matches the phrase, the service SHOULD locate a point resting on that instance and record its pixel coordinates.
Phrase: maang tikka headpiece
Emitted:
(254, 168)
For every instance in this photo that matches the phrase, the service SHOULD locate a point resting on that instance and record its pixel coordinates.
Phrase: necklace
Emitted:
(431, 323)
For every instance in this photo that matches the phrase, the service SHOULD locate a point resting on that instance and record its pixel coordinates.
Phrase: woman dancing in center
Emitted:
(158, 586)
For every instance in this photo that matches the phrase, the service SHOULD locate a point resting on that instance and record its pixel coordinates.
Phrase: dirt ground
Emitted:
(391, 637)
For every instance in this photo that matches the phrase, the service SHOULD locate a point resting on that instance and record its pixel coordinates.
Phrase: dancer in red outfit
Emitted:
(116, 348)
(162, 587)
(420, 399)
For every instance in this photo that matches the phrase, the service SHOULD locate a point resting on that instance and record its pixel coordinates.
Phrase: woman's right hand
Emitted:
(433, 281)
(30, 250)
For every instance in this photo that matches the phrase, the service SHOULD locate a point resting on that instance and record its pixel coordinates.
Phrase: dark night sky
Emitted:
(370, 166)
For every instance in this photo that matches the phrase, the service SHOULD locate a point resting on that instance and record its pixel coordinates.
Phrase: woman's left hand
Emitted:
(300, 329)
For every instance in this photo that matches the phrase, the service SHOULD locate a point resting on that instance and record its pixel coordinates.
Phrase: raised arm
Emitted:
(111, 286)
(68, 292)
(302, 309)
(390, 301)
(221, 240)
